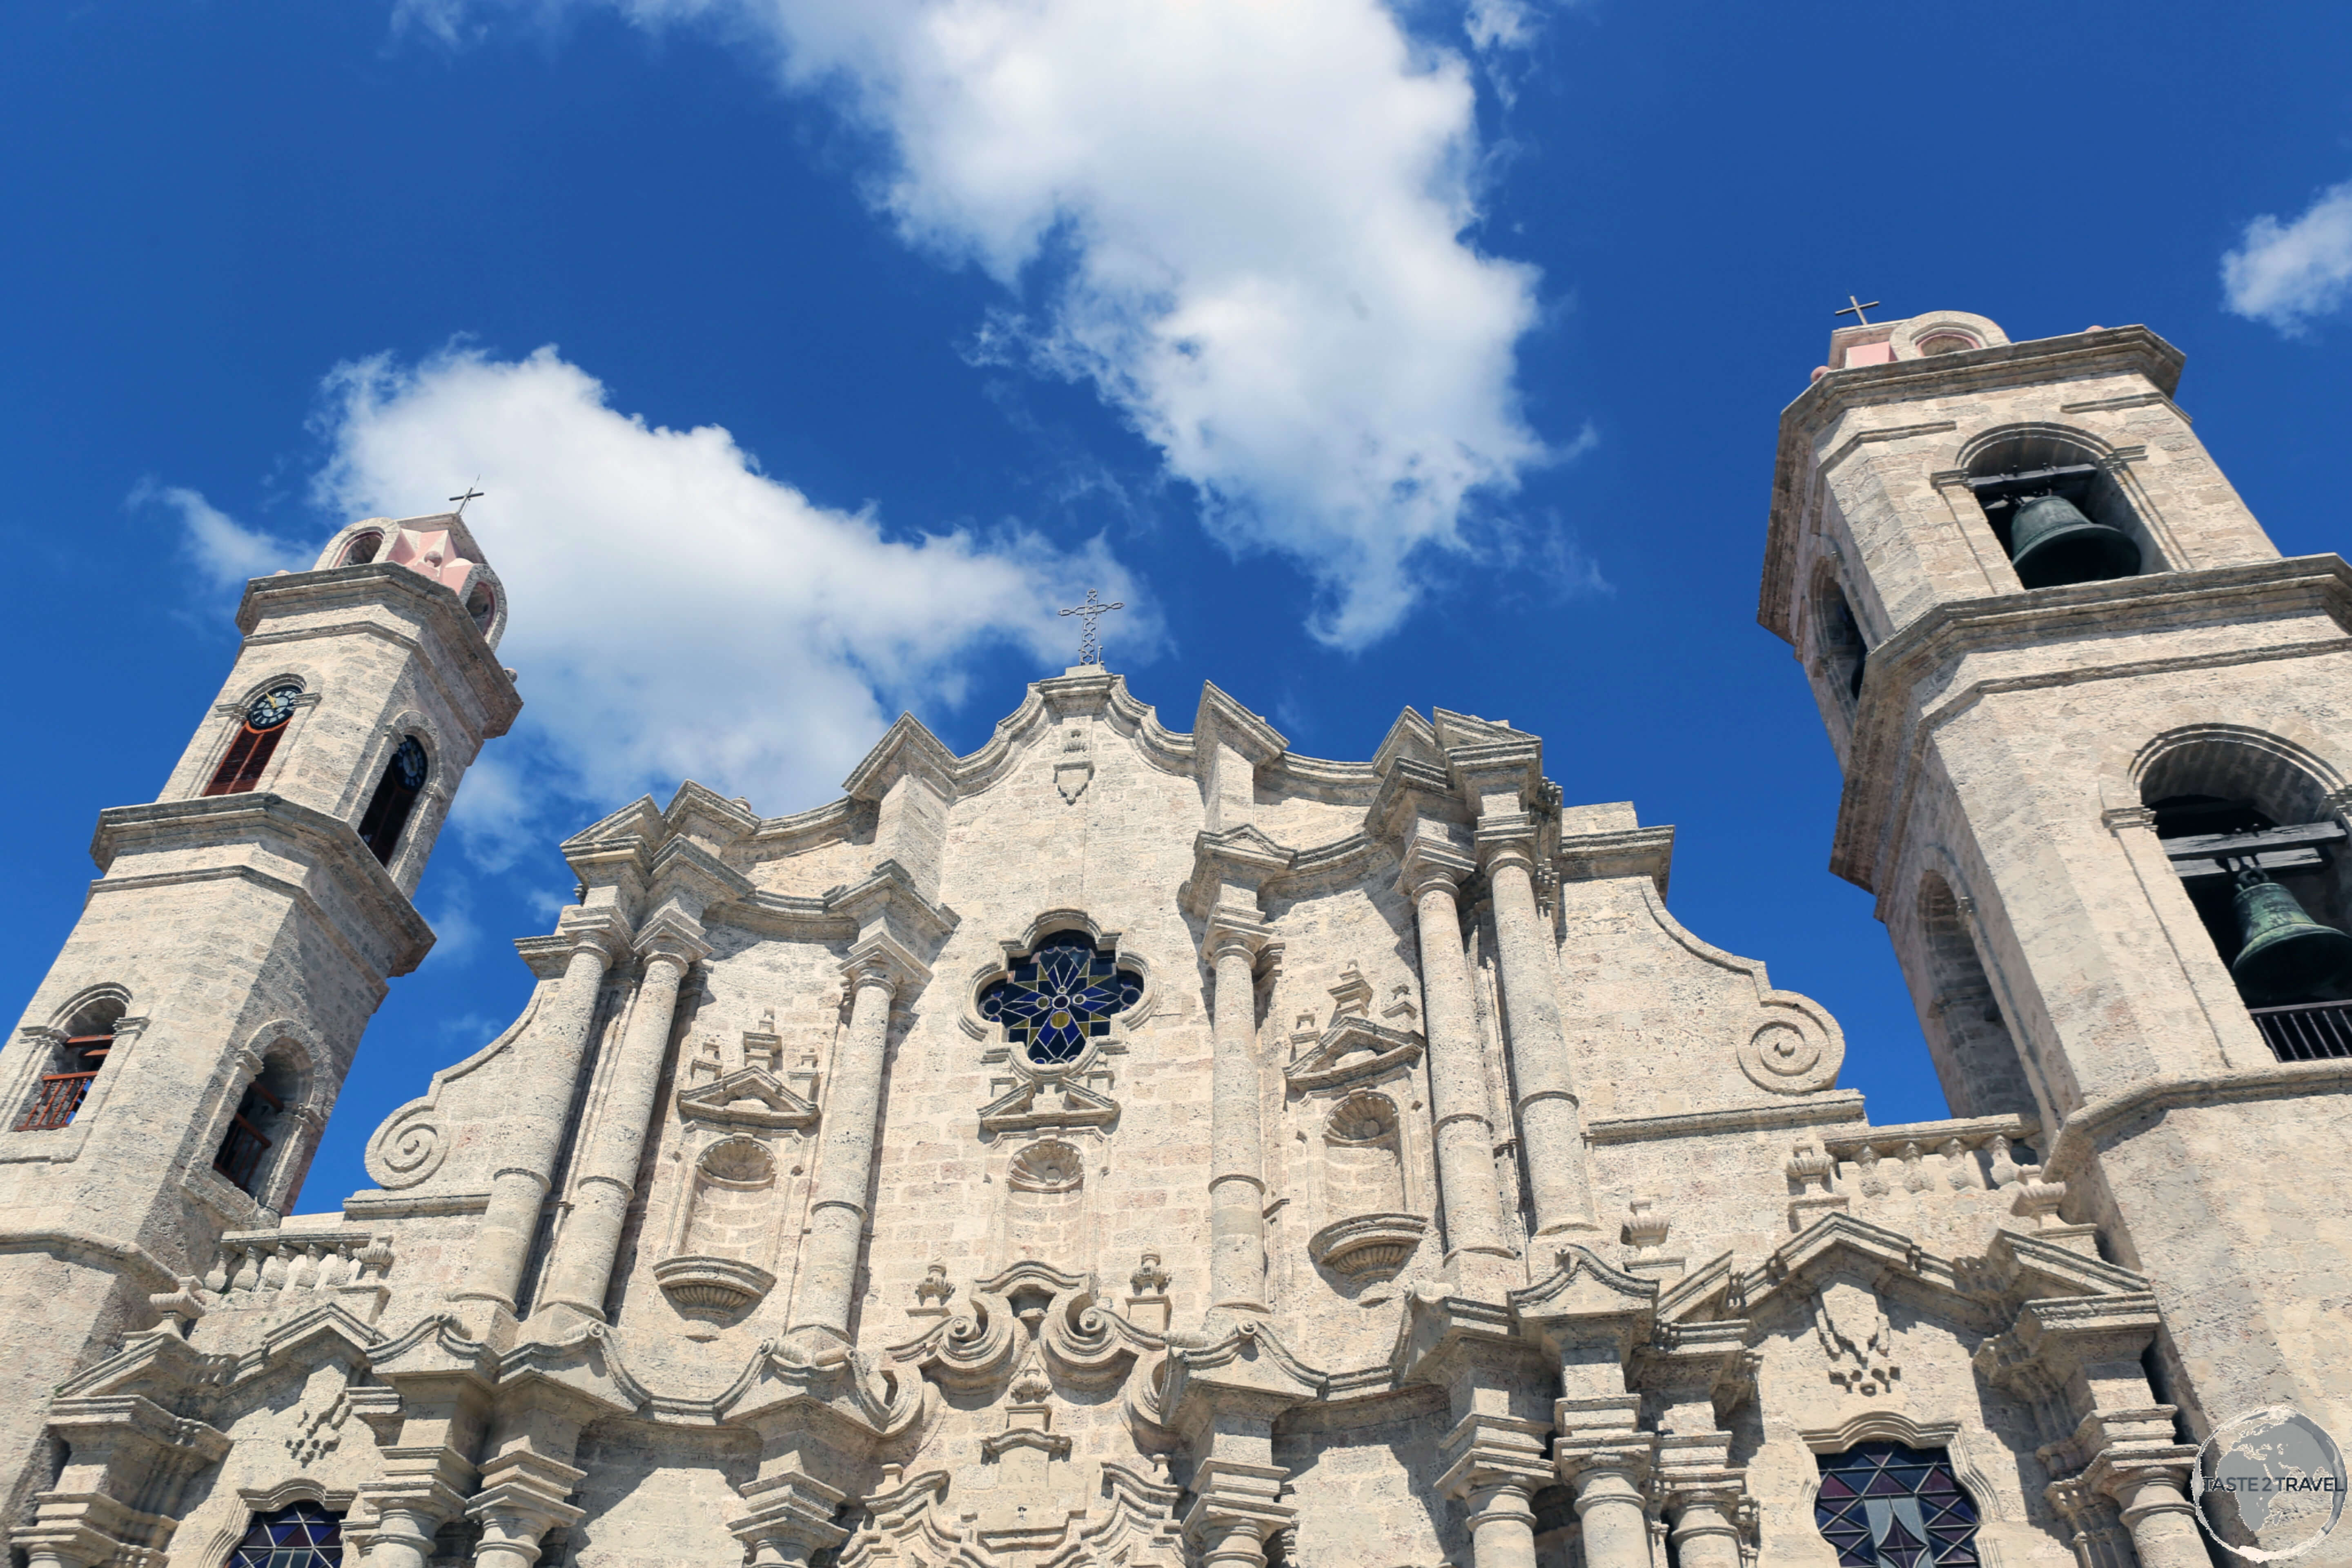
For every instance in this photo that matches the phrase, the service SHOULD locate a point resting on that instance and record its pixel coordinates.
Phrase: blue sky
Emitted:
(812, 352)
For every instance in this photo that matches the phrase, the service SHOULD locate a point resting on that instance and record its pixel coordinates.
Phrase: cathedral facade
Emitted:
(1135, 1146)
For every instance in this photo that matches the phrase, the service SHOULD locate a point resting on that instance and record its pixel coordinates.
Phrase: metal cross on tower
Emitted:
(1856, 307)
(1090, 613)
(471, 494)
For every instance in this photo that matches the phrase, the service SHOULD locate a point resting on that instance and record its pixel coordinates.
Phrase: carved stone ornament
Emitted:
(1081, 1344)
(1789, 1055)
(748, 1096)
(1049, 1101)
(1368, 1243)
(1074, 770)
(1856, 1337)
(713, 1284)
(1353, 1049)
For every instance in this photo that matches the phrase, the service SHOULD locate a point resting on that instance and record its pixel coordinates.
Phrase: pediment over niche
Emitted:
(1052, 1101)
(748, 1096)
(1353, 1048)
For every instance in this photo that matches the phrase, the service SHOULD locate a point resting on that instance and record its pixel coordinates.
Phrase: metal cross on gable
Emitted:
(471, 494)
(1855, 308)
(1090, 614)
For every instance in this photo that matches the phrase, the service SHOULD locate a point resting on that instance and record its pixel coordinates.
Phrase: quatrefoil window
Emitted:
(1062, 996)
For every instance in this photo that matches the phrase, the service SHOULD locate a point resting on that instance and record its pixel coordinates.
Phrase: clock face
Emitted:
(273, 707)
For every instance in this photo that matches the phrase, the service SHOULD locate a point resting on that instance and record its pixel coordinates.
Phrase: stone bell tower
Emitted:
(2082, 705)
(170, 1077)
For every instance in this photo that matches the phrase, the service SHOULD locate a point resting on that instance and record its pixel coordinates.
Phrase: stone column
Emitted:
(791, 1518)
(853, 1111)
(1457, 1077)
(1502, 1526)
(582, 1271)
(1616, 1528)
(1705, 1535)
(2158, 1512)
(532, 1138)
(1231, 1544)
(1551, 1124)
(1236, 1157)
(402, 1538)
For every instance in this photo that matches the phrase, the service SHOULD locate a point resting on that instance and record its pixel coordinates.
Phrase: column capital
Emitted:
(1229, 929)
(1428, 864)
(879, 961)
(523, 1498)
(1491, 1453)
(792, 1516)
(1601, 1463)
(1236, 1499)
(2137, 1476)
(669, 935)
(597, 927)
(1505, 838)
(2118, 818)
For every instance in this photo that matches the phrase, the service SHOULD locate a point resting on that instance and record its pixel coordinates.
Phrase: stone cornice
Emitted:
(1829, 1106)
(1629, 852)
(304, 833)
(1517, 761)
(308, 593)
(2118, 350)
(1411, 793)
(1242, 857)
(2085, 1129)
(1237, 727)
(1882, 759)
(908, 746)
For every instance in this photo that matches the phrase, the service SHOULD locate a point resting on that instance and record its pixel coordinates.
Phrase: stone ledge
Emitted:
(1831, 1106)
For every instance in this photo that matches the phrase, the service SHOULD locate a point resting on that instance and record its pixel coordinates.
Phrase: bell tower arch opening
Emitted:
(2056, 509)
(1969, 1036)
(2250, 833)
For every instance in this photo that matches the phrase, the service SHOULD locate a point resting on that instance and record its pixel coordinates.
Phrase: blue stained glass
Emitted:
(1060, 996)
(303, 1535)
(1882, 1505)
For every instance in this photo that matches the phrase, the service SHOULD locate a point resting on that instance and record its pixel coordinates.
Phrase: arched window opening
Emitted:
(1976, 1055)
(1882, 1504)
(1060, 996)
(58, 1096)
(394, 799)
(2265, 895)
(2250, 833)
(362, 549)
(483, 605)
(255, 740)
(257, 1126)
(2058, 512)
(301, 1535)
(1845, 655)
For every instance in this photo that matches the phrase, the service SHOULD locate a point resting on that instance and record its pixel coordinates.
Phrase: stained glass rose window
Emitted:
(1060, 996)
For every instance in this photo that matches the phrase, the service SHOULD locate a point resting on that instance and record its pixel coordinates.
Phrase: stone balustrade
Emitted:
(281, 1270)
(1982, 1153)
(1986, 1163)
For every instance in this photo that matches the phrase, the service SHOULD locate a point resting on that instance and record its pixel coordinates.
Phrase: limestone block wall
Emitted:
(1031, 1364)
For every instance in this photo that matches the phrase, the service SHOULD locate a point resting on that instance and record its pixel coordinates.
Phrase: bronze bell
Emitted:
(2051, 543)
(2287, 956)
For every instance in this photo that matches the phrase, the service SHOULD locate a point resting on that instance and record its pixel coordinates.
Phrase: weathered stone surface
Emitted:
(1421, 1192)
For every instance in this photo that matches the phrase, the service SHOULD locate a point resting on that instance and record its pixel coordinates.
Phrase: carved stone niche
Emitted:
(725, 1227)
(1364, 1197)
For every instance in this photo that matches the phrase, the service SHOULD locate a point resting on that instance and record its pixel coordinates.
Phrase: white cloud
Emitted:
(2286, 274)
(227, 553)
(676, 613)
(1243, 222)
